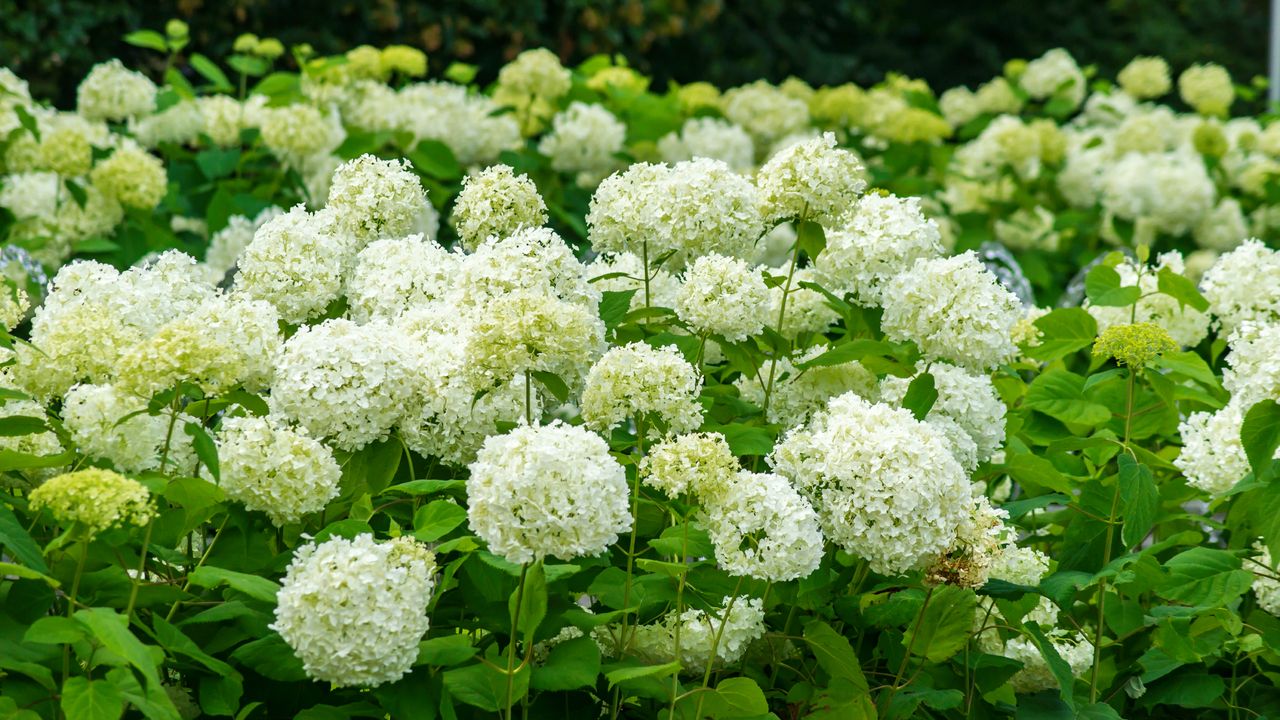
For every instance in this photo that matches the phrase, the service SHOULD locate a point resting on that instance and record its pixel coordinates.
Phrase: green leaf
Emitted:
(1181, 288)
(111, 630)
(945, 626)
(811, 238)
(834, 653)
(437, 519)
(445, 651)
(27, 121)
(460, 73)
(1060, 395)
(14, 460)
(1065, 330)
(1059, 667)
(271, 658)
(570, 665)
(15, 425)
(552, 383)
(419, 488)
(736, 697)
(54, 630)
(1102, 286)
(1260, 435)
(637, 672)
(19, 543)
(614, 305)
(1204, 577)
(436, 160)
(922, 393)
(258, 588)
(85, 699)
(277, 85)
(209, 71)
(206, 448)
(220, 695)
(1036, 472)
(486, 687)
(1140, 498)
(173, 640)
(745, 439)
(149, 39)
(1190, 365)
(533, 603)
(217, 163)
(373, 467)
(1188, 689)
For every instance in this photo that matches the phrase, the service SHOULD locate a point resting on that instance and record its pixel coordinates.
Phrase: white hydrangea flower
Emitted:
(814, 180)
(550, 490)
(133, 177)
(807, 311)
(1253, 372)
(343, 382)
(627, 212)
(372, 198)
(1054, 74)
(885, 485)
(92, 415)
(1212, 458)
(640, 381)
(1207, 88)
(765, 111)
(469, 123)
(354, 610)
(113, 92)
(179, 124)
(762, 528)
(697, 463)
(1241, 287)
(882, 237)
(1145, 78)
(723, 296)
(41, 443)
(30, 195)
(393, 276)
(954, 309)
(959, 105)
(1171, 190)
(967, 411)
(496, 202)
(1028, 229)
(276, 469)
(224, 117)
(298, 131)
(535, 260)
(584, 139)
(708, 137)
(1224, 228)
(226, 342)
(1035, 674)
(699, 629)
(532, 332)
(1186, 325)
(296, 262)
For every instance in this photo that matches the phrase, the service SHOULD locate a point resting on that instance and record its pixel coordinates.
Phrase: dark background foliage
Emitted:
(54, 42)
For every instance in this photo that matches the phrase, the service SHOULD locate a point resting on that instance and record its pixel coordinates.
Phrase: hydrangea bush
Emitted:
(342, 393)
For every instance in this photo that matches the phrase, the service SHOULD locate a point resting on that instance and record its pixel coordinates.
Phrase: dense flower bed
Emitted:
(344, 394)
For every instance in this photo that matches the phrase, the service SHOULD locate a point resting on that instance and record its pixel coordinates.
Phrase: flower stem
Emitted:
(715, 646)
(515, 632)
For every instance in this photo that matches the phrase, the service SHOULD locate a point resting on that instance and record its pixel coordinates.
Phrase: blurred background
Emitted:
(53, 43)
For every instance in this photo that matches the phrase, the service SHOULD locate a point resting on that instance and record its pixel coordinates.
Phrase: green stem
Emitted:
(782, 316)
(906, 658)
(715, 647)
(203, 556)
(528, 397)
(644, 258)
(142, 566)
(71, 606)
(684, 574)
(515, 632)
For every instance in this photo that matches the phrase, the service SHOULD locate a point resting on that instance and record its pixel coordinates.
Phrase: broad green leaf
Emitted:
(736, 697)
(1140, 499)
(1181, 289)
(437, 519)
(614, 305)
(173, 640)
(436, 160)
(209, 71)
(54, 630)
(532, 603)
(486, 687)
(1186, 689)
(1260, 435)
(922, 393)
(111, 630)
(220, 695)
(834, 653)
(945, 626)
(811, 238)
(745, 439)
(272, 658)
(445, 651)
(217, 162)
(18, 542)
(15, 425)
(1036, 472)
(848, 352)
(1102, 286)
(149, 39)
(552, 383)
(1064, 331)
(1060, 395)
(637, 672)
(1205, 577)
(256, 587)
(206, 448)
(1057, 666)
(85, 699)
(570, 665)
(427, 487)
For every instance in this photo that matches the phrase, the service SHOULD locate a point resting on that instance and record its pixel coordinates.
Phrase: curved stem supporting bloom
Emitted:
(782, 316)
(203, 556)
(528, 397)
(631, 547)
(142, 569)
(906, 658)
(684, 575)
(71, 606)
(515, 632)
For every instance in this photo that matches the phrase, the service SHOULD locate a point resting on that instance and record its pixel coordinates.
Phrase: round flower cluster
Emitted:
(709, 137)
(1186, 325)
(585, 140)
(1207, 88)
(275, 469)
(812, 180)
(530, 331)
(1054, 74)
(1145, 78)
(1171, 190)
(531, 259)
(881, 238)
(295, 262)
(700, 464)
(735, 630)
(354, 610)
(1134, 345)
(133, 177)
(496, 202)
(113, 92)
(549, 490)
(762, 528)
(954, 309)
(373, 198)
(1253, 371)
(107, 424)
(723, 296)
(967, 411)
(94, 499)
(885, 485)
(298, 132)
(1035, 674)
(1212, 458)
(392, 276)
(343, 382)
(1239, 286)
(227, 244)
(765, 111)
(647, 384)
